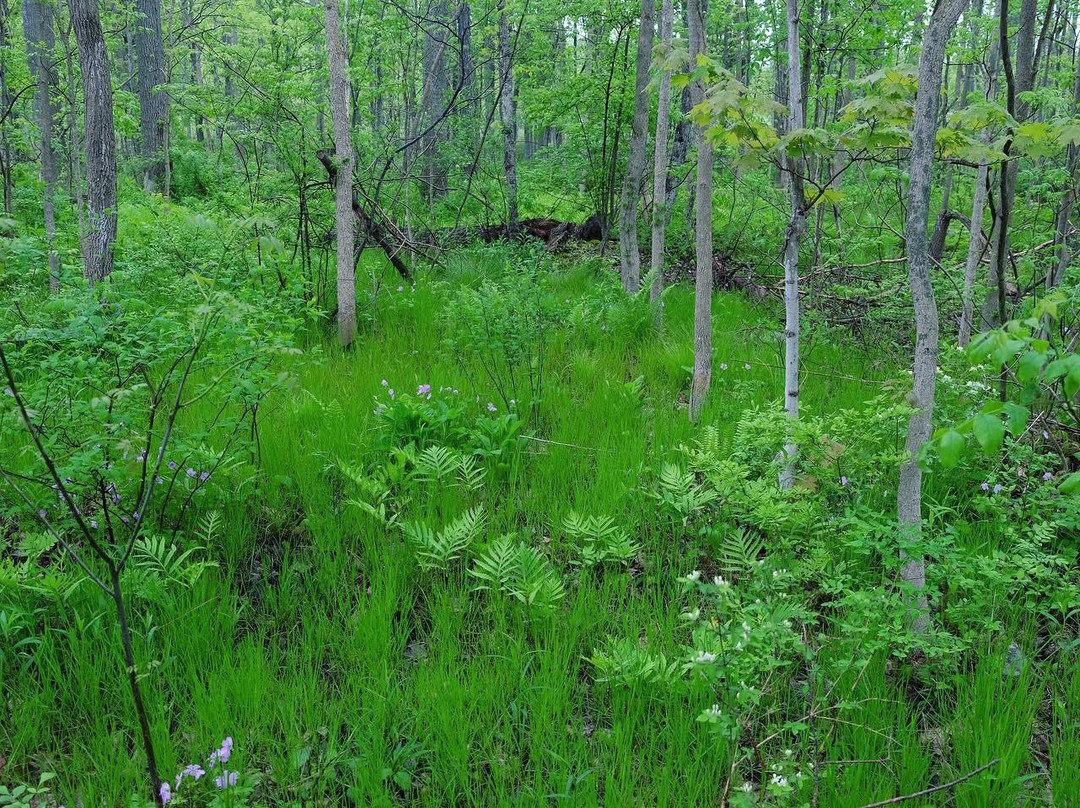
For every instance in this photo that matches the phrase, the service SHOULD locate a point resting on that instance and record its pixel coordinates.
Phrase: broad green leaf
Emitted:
(1018, 418)
(989, 432)
(1071, 484)
(951, 446)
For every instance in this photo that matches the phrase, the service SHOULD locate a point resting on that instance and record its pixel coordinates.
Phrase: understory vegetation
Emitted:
(483, 557)
(355, 450)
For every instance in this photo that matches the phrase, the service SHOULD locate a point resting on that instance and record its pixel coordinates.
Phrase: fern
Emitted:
(470, 473)
(437, 464)
(494, 567)
(739, 551)
(439, 550)
(154, 554)
(625, 663)
(681, 494)
(599, 539)
(517, 570)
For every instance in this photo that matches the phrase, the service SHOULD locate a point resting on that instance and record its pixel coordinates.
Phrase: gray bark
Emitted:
(660, 160)
(920, 173)
(99, 137)
(697, 14)
(507, 115)
(153, 98)
(629, 253)
(41, 53)
(1064, 212)
(680, 147)
(343, 183)
(792, 238)
(435, 92)
(977, 245)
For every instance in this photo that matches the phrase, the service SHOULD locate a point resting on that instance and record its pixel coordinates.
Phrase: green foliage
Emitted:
(599, 539)
(438, 550)
(515, 569)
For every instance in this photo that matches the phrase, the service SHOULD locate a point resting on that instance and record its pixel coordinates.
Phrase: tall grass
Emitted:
(341, 670)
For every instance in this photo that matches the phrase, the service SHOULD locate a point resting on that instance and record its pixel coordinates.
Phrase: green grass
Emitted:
(335, 663)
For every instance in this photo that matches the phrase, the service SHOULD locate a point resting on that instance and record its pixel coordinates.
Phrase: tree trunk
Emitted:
(508, 118)
(660, 161)
(40, 52)
(792, 238)
(434, 99)
(1064, 211)
(343, 179)
(1018, 79)
(920, 173)
(629, 252)
(7, 154)
(99, 138)
(976, 243)
(680, 147)
(697, 15)
(153, 98)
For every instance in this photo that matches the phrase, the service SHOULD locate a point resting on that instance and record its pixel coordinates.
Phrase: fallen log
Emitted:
(553, 232)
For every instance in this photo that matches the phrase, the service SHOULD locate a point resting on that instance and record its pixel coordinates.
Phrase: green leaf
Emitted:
(950, 447)
(989, 432)
(1030, 365)
(1018, 418)
(1071, 484)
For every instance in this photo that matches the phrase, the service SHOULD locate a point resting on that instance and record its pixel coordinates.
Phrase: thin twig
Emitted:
(927, 791)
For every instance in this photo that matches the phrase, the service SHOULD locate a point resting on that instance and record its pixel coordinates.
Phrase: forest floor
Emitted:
(342, 667)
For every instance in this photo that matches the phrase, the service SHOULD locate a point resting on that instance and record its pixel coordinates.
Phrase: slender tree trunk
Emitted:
(921, 173)
(792, 238)
(507, 115)
(680, 147)
(697, 15)
(660, 161)
(1019, 78)
(153, 98)
(40, 51)
(1064, 211)
(343, 181)
(7, 155)
(136, 689)
(74, 147)
(976, 243)
(99, 138)
(629, 252)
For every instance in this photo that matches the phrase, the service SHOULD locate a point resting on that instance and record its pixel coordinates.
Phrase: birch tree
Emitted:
(792, 237)
(343, 183)
(920, 173)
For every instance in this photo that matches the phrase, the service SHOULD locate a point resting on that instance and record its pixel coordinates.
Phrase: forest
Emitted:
(508, 403)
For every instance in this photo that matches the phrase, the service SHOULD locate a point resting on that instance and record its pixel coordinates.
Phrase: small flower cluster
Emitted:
(724, 366)
(425, 392)
(190, 472)
(194, 771)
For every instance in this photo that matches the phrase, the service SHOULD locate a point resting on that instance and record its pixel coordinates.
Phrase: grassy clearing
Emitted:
(346, 673)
